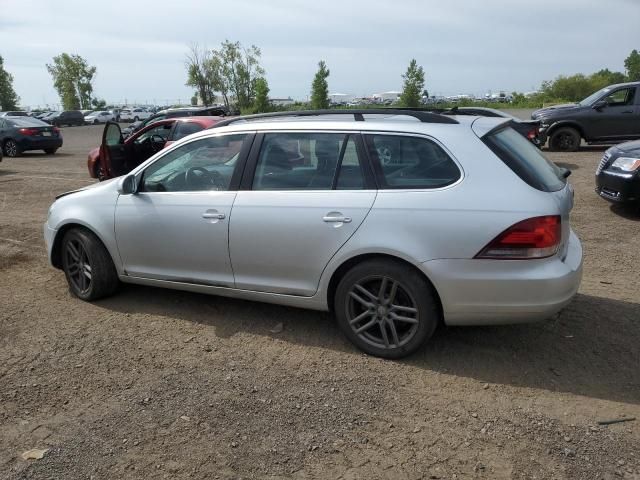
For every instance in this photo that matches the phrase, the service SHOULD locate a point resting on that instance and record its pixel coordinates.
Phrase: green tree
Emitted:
(98, 104)
(320, 87)
(232, 70)
(8, 97)
(261, 103)
(72, 77)
(413, 85)
(632, 66)
(194, 100)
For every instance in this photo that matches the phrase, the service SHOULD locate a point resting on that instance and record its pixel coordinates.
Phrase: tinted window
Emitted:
(410, 162)
(307, 161)
(185, 128)
(525, 160)
(201, 165)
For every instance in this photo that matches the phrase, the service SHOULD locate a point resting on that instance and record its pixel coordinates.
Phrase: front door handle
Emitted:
(339, 219)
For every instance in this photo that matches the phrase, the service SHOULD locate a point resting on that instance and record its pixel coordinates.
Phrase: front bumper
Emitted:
(618, 187)
(493, 292)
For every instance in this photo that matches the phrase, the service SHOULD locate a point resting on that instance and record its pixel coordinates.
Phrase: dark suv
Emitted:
(610, 115)
(68, 117)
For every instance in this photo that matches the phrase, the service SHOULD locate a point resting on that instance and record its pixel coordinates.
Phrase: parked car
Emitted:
(174, 113)
(42, 115)
(68, 117)
(124, 155)
(610, 115)
(527, 128)
(116, 114)
(618, 173)
(14, 113)
(98, 117)
(134, 115)
(306, 214)
(19, 134)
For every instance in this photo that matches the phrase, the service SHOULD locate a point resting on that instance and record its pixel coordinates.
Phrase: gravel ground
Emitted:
(163, 384)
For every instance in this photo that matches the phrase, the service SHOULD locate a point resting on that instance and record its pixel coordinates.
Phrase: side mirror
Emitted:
(128, 185)
(599, 105)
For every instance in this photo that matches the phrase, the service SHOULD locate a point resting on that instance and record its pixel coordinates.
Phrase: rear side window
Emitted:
(404, 162)
(185, 128)
(525, 160)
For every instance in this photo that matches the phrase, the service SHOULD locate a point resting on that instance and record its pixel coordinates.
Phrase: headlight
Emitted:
(626, 164)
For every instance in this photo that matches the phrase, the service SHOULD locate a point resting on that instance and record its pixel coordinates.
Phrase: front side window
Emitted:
(622, 97)
(205, 164)
(308, 161)
(157, 131)
(405, 162)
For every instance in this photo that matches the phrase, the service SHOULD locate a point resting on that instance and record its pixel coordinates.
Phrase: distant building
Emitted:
(387, 96)
(281, 102)
(340, 98)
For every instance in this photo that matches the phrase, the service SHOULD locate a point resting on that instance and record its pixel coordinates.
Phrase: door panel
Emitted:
(171, 236)
(619, 118)
(308, 198)
(280, 241)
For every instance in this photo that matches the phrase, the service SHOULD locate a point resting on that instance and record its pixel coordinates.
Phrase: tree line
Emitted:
(234, 73)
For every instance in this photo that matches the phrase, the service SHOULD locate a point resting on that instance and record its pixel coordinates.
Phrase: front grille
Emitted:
(603, 163)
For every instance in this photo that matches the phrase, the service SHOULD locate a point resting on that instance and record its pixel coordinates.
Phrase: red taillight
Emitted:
(28, 131)
(56, 130)
(532, 133)
(537, 237)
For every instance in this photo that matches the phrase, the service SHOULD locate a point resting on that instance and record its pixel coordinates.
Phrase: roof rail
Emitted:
(424, 116)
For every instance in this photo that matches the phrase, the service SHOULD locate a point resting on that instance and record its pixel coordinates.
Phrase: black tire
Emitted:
(50, 151)
(135, 119)
(81, 248)
(96, 122)
(379, 319)
(565, 139)
(11, 148)
(100, 173)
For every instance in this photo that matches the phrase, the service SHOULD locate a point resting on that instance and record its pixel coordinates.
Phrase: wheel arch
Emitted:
(566, 124)
(349, 263)
(56, 249)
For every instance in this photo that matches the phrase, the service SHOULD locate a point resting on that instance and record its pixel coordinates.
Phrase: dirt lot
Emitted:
(163, 384)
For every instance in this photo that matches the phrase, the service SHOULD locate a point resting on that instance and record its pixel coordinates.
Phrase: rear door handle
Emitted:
(628, 111)
(336, 219)
(219, 216)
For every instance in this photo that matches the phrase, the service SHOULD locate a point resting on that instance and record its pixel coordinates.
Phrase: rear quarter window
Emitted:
(407, 162)
(185, 128)
(525, 160)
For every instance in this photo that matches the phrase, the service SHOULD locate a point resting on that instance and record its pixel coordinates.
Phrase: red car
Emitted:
(115, 156)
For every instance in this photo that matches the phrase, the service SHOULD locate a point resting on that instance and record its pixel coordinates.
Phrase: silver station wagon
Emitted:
(394, 220)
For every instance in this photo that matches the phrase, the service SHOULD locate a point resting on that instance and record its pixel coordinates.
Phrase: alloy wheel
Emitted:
(11, 148)
(78, 266)
(382, 312)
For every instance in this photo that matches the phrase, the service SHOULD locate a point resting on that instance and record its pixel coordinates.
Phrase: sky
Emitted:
(464, 46)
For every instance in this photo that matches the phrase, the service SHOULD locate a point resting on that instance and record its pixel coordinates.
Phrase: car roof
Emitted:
(391, 124)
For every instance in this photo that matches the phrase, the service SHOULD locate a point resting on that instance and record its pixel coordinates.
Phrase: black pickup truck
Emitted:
(610, 115)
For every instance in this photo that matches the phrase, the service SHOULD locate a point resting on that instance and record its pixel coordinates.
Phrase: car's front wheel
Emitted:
(50, 151)
(386, 309)
(565, 139)
(87, 265)
(11, 148)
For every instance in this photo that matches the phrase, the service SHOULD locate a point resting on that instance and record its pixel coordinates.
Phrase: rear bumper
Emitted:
(493, 292)
(39, 143)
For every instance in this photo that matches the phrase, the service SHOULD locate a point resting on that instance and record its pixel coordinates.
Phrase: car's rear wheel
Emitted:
(87, 265)
(565, 139)
(386, 309)
(50, 151)
(11, 148)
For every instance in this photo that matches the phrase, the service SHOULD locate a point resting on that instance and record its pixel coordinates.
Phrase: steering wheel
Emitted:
(195, 176)
(157, 142)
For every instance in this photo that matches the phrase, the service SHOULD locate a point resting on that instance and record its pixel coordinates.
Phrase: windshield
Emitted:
(594, 96)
